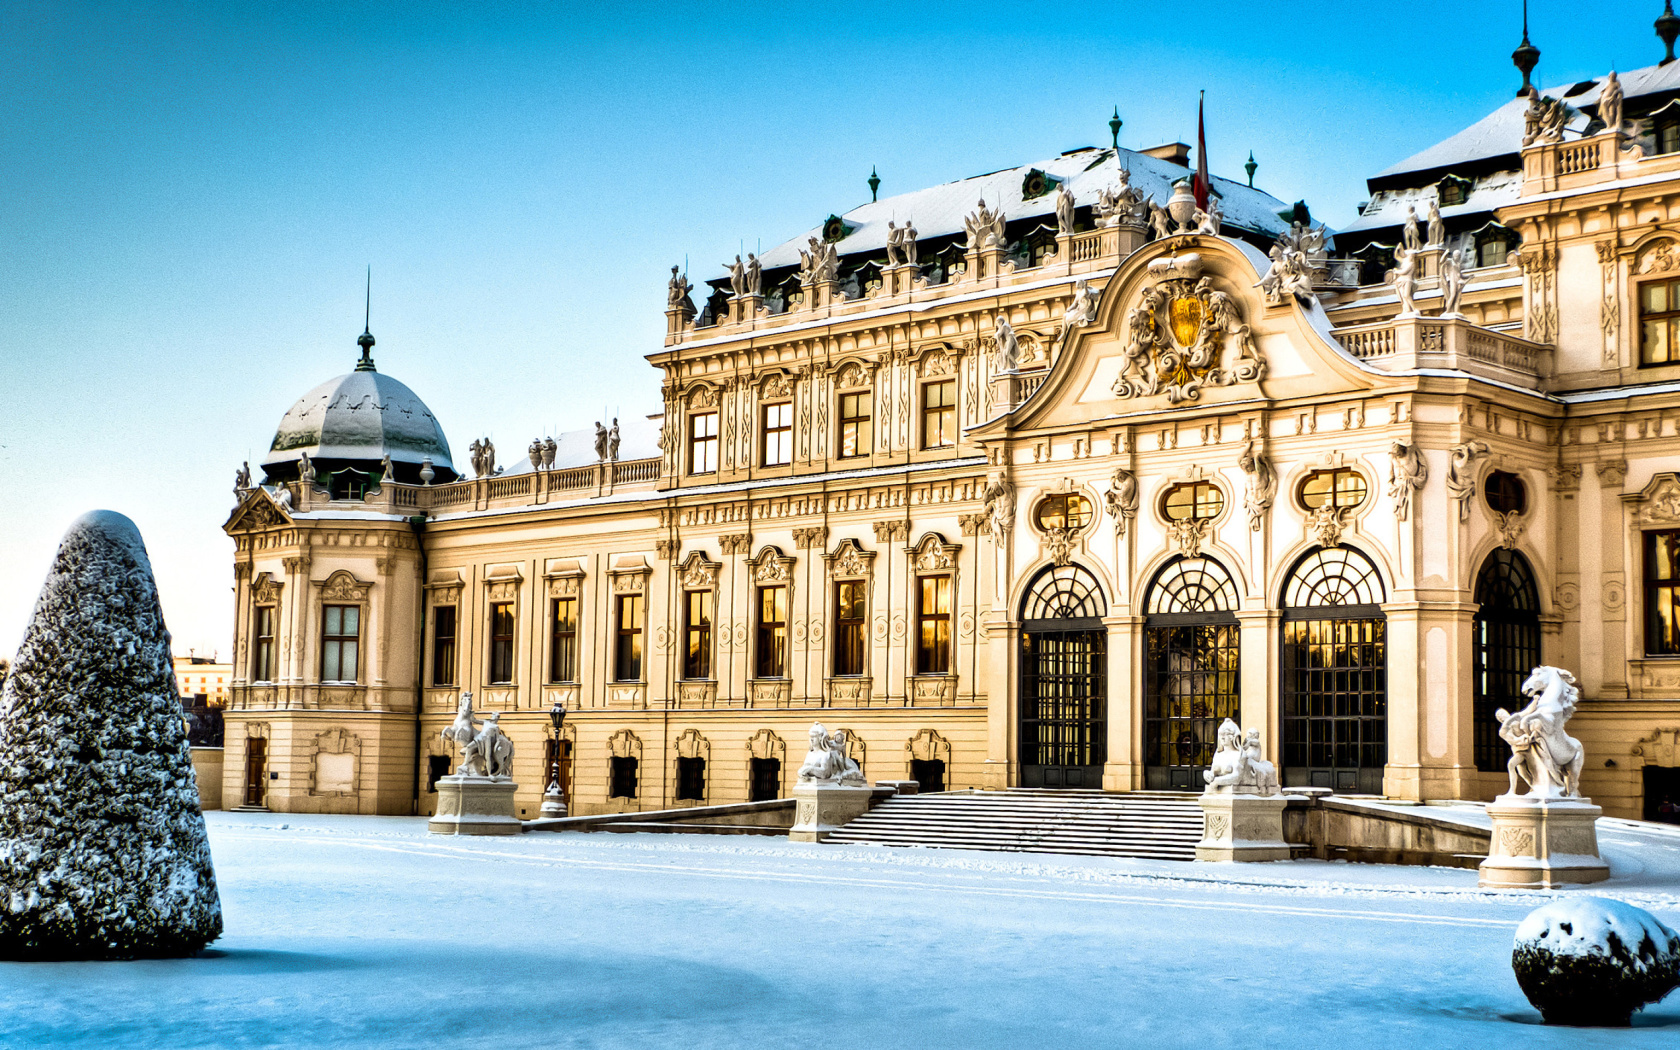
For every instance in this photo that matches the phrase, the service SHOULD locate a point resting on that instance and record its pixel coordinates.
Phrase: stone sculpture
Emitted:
(676, 293)
(893, 236)
(1452, 282)
(486, 751)
(1081, 310)
(1208, 222)
(1288, 275)
(612, 442)
(1237, 768)
(535, 454)
(548, 450)
(284, 499)
(1548, 759)
(1404, 279)
(1437, 227)
(1064, 210)
(1008, 346)
(907, 242)
(999, 497)
(1160, 222)
(1610, 104)
(737, 276)
(1413, 239)
(427, 473)
(242, 481)
(827, 762)
(306, 469)
(1461, 475)
(1122, 499)
(387, 471)
(600, 441)
(1262, 484)
(483, 458)
(1407, 472)
(1544, 120)
(755, 275)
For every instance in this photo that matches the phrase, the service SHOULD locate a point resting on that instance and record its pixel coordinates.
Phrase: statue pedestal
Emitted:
(469, 805)
(1542, 843)
(824, 808)
(1242, 828)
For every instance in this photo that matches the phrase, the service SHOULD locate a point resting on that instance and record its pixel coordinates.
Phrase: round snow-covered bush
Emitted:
(103, 853)
(1593, 961)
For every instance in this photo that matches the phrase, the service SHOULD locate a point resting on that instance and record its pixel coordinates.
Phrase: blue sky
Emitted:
(189, 194)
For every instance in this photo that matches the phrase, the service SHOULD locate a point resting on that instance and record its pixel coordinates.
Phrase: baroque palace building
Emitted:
(1035, 492)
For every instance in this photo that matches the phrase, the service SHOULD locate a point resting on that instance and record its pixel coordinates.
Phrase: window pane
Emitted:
(352, 619)
(347, 663)
(333, 619)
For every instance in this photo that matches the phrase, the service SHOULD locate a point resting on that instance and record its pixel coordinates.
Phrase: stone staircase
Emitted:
(1153, 825)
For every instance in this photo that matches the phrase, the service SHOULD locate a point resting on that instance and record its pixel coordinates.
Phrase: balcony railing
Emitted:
(1434, 342)
(531, 488)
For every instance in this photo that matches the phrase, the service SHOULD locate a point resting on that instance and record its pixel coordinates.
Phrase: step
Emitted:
(666, 828)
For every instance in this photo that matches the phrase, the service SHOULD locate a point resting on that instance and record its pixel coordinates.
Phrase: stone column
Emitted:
(1124, 717)
(1003, 644)
(1259, 678)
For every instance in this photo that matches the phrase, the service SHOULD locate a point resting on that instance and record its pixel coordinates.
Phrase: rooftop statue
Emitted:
(535, 453)
(1237, 768)
(1404, 279)
(737, 276)
(984, 227)
(612, 442)
(1452, 282)
(1160, 221)
(1008, 346)
(894, 236)
(1542, 754)
(483, 458)
(1544, 120)
(907, 242)
(306, 469)
(827, 762)
(1610, 104)
(1064, 210)
(1208, 222)
(1412, 237)
(1437, 228)
(755, 275)
(548, 450)
(242, 481)
(387, 471)
(1289, 274)
(676, 293)
(1081, 310)
(600, 441)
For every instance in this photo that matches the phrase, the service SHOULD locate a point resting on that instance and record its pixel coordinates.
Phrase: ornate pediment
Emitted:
(772, 566)
(1183, 334)
(1659, 502)
(934, 554)
(697, 573)
(341, 586)
(258, 512)
(1658, 257)
(852, 374)
(850, 561)
(266, 589)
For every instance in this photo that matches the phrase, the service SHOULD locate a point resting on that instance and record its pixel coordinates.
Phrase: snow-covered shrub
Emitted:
(103, 853)
(1593, 961)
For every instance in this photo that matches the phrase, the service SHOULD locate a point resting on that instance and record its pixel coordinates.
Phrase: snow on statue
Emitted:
(103, 853)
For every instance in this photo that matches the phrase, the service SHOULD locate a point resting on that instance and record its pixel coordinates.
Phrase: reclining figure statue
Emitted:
(1237, 767)
(827, 762)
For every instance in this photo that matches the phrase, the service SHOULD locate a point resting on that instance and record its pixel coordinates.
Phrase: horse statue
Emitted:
(1542, 754)
(461, 731)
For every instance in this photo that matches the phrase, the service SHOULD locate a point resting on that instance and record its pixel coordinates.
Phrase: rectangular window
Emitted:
(849, 628)
(623, 780)
(766, 783)
(262, 648)
(1668, 137)
(772, 632)
(1492, 252)
(703, 443)
(691, 779)
(443, 645)
(939, 414)
(933, 625)
(855, 427)
(627, 653)
(501, 642)
(1662, 593)
(697, 634)
(562, 640)
(341, 627)
(778, 434)
(1659, 322)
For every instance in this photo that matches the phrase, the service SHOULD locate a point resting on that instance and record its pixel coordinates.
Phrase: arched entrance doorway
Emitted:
(1335, 673)
(1063, 696)
(1507, 633)
(1190, 664)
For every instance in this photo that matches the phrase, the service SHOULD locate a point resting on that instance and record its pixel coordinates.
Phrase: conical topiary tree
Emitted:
(103, 853)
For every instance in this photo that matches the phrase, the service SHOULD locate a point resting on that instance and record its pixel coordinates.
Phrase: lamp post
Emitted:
(554, 800)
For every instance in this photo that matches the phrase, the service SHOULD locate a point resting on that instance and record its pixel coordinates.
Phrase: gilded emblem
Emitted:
(1180, 334)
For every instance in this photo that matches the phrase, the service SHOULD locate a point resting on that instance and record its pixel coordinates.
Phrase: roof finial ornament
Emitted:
(1251, 167)
(1668, 27)
(365, 340)
(1114, 123)
(1525, 57)
(874, 184)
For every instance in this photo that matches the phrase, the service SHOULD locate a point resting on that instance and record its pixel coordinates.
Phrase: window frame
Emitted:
(780, 432)
(862, 426)
(691, 775)
(1335, 491)
(616, 777)
(945, 413)
(336, 643)
(697, 637)
(1670, 318)
(262, 644)
(499, 667)
(1199, 491)
(1062, 503)
(445, 648)
(1656, 588)
(703, 443)
(851, 634)
(933, 654)
(562, 639)
(770, 636)
(631, 636)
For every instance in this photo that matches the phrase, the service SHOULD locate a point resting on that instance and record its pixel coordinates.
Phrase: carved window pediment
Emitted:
(776, 387)
(1658, 503)
(772, 567)
(1659, 256)
(702, 395)
(934, 554)
(266, 589)
(564, 577)
(850, 561)
(853, 374)
(698, 573)
(341, 586)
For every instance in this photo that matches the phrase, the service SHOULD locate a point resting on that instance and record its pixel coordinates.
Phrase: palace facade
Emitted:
(1035, 492)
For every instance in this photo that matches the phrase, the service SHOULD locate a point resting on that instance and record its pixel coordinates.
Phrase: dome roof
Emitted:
(364, 416)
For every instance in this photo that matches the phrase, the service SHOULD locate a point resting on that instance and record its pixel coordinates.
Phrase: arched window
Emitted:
(1507, 633)
(1190, 665)
(1335, 673)
(1065, 592)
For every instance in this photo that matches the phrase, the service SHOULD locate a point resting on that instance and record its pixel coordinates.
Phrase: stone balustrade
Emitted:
(1574, 164)
(1405, 343)
(531, 488)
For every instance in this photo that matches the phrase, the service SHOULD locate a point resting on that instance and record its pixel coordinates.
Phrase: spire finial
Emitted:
(1668, 28)
(874, 184)
(1114, 123)
(1251, 167)
(365, 340)
(1525, 57)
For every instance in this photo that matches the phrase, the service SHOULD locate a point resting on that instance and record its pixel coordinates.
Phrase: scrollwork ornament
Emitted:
(1185, 334)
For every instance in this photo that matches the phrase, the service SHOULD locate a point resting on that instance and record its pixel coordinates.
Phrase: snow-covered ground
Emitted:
(366, 932)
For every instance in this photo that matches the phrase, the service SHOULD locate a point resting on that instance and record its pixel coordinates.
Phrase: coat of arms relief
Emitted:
(1185, 334)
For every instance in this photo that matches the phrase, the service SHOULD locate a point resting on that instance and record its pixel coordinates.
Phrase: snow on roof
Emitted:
(1500, 133)
(938, 211)
(1387, 208)
(360, 415)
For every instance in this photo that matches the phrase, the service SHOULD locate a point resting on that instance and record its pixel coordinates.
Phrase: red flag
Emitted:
(1201, 184)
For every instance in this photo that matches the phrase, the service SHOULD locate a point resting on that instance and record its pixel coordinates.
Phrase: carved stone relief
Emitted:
(1180, 336)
